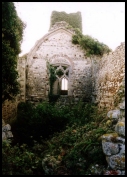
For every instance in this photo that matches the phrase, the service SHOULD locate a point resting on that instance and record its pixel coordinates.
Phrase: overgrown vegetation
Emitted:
(40, 121)
(52, 78)
(54, 141)
(21, 160)
(12, 34)
(73, 19)
(90, 45)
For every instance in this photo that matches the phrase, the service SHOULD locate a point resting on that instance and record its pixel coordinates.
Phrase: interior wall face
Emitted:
(56, 48)
(109, 77)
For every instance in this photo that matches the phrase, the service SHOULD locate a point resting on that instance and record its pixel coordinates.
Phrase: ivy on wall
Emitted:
(90, 45)
(52, 78)
(73, 19)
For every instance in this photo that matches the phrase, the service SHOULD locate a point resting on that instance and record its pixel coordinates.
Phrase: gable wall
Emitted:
(55, 48)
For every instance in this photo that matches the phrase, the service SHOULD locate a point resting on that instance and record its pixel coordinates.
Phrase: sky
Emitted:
(104, 21)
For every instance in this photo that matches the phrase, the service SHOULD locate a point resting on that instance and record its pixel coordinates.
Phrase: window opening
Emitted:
(60, 85)
(64, 85)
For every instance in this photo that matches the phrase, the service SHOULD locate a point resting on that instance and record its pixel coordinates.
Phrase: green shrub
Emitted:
(52, 76)
(45, 119)
(74, 146)
(42, 120)
(21, 126)
(77, 147)
(90, 45)
(19, 160)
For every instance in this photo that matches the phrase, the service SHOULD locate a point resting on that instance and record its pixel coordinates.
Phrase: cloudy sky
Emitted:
(104, 21)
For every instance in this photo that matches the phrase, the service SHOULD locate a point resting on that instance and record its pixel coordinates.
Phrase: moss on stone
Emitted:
(111, 134)
(108, 123)
(121, 124)
(123, 158)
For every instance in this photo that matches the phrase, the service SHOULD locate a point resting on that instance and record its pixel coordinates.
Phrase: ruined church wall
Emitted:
(9, 110)
(9, 107)
(37, 81)
(109, 77)
(21, 67)
(54, 47)
(82, 79)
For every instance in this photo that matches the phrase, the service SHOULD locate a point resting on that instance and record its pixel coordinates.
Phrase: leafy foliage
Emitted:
(90, 45)
(70, 151)
(42, 120)
(52, 76)
(73, 19)
(73, 151)
(12, 34)
(20, 160)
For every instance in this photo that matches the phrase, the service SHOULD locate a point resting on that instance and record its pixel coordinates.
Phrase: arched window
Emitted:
(60, 86)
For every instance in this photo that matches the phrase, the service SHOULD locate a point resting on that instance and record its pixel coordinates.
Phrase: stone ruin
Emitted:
(89, 79)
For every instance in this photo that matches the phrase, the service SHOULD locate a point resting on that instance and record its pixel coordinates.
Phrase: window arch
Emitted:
(60, 86)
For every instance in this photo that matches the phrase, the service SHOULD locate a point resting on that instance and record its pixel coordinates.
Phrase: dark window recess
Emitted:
(63, 92)
(34, 57)
(67, 73)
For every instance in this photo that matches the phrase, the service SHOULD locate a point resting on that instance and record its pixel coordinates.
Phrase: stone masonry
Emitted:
(108, 76)
(57, 49)
(113, 144)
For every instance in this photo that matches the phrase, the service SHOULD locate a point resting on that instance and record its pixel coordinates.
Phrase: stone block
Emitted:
(110, 148)
(9, 134)
(122, 105)
(116, 161)
(120, 128)
(7, 127)
(114, 114)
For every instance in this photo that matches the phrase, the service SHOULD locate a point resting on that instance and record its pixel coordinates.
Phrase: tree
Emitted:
(12, 34)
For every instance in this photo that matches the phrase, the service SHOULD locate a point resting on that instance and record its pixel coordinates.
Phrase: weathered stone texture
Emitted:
(6, 131)
(21, 67)
(57, 49)
(113, 144)
(109, 77)
(9, 110)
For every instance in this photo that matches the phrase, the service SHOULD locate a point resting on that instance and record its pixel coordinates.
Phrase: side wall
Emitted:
(9, 108)
(21, 66)
(108, 77)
